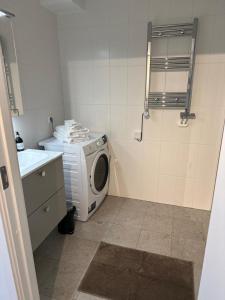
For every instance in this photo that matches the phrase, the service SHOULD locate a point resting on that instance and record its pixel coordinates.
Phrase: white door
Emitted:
(212, 285)
(15, 239)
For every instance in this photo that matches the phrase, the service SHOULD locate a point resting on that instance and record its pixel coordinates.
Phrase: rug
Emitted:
(121, 273)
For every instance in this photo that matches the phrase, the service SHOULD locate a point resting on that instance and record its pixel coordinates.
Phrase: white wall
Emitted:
(7, 285)
(38, 57)
(103, 67)
(213, 273)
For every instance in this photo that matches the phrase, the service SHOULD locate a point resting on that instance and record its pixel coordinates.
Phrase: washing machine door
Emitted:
(100, 172)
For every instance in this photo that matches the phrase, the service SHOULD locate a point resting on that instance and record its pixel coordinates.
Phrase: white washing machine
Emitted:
(86, 172)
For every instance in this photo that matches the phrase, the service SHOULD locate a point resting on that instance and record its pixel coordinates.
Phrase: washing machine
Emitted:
(86, 172)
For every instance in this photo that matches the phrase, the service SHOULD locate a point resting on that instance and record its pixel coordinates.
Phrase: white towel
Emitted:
(71, 132)
(81, 132)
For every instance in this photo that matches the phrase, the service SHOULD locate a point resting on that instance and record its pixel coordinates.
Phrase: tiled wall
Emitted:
(38, 59)
(103, 67)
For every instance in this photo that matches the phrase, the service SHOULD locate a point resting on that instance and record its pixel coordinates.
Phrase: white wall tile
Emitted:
(218, 37)
(172, 165)
(153, 126)
(133, 120)
(208, 7)
(118, 44)
(158, 82)
(205, 35)
(209, 125)
(99, 46)
(118, 11)
(137, 41)
(79, 78)
(100, 85)
(170, 129)
(171, 190)
(75, 45)
(118, 122)
(126, 181)
(198, 194)
(159, 9)
(179, 47)
(181, 8)
(198, 156)
(139, 10)
(208, 87)
(149, 165)
(95, 117)
(72, 110)
(176, 81)
(160, 47)
(118, 85)
(136, 85)
(174, 159)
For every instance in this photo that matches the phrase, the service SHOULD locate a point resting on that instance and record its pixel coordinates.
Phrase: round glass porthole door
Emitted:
(100, 172)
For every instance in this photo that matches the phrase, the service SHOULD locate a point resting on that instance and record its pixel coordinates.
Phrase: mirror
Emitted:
(7, 44)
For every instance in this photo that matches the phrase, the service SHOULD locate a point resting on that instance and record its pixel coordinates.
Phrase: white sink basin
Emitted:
(32, 159)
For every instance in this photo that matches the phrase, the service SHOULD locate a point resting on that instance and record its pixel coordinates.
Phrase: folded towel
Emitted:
(69, 122)
(71, 132)
(70, 140)
(81, 132)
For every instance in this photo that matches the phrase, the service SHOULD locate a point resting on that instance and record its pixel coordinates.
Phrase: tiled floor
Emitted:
(61, 261)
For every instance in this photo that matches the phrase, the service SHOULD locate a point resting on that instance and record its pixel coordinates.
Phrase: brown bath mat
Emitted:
(121, 273)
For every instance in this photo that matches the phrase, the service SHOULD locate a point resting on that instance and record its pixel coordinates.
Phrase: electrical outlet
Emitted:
(181, 123)
(50, 118)
(137, 134)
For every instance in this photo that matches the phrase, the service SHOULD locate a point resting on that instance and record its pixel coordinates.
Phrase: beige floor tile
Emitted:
(187, 229)
(59, 279)
(188, 249)
(91, 230)
(197, 278)
(42, 297)
(132, 213)
(83, 296)
(52, 246)
(108, 209)
(75, 295)
(123, 235)
(157, 223)
(79, 251)
(71, 248)
(155, 242)
(196, 215)
(62, 260)
(158, 209)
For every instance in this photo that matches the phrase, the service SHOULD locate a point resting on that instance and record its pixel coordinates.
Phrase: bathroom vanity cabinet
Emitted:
(45, 199)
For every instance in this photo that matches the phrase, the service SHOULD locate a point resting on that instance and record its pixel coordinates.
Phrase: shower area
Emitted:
(170, 155)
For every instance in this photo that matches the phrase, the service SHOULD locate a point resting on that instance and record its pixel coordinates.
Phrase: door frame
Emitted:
(12, 204)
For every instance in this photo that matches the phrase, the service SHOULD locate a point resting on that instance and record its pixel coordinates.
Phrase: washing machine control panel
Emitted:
(101, 141)
(95, 145)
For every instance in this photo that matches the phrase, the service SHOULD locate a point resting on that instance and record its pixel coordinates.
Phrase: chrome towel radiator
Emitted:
(170, 100)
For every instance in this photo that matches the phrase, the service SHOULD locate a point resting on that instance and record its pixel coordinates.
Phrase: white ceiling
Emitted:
(63, 6)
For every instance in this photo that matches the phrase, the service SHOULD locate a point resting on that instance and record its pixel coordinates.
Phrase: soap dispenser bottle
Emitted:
(19, 142)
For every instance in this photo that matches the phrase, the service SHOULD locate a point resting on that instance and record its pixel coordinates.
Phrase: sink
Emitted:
(32, 159)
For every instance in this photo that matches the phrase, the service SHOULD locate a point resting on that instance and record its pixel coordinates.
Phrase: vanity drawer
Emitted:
(43, 220)
(39, 186)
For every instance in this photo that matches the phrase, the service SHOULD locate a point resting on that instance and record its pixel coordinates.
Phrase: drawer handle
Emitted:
(47, 209)
(42, 173)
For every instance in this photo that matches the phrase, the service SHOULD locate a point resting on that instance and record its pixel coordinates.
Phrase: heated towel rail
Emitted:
(170, 100)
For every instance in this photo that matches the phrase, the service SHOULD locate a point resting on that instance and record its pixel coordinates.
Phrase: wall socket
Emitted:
(50, 118)
(137, 134)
